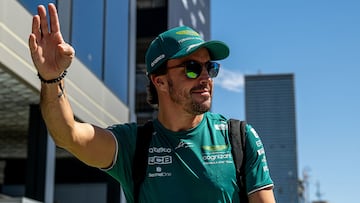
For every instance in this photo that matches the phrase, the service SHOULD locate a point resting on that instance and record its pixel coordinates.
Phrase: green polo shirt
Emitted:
(195, 165)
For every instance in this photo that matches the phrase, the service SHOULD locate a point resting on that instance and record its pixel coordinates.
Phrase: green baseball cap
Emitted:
(179, 42)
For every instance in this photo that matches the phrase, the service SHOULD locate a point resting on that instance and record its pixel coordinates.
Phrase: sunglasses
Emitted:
(193, 69)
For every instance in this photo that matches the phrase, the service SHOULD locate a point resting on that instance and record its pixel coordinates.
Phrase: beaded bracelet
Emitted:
(62, 76)
(61, 93)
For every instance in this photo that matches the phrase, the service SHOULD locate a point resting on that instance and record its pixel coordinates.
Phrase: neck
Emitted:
(177, 120)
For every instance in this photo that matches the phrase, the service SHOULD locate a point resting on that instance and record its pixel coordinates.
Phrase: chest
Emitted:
(202, 160)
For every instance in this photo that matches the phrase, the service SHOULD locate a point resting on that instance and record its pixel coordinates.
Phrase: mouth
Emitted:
(202, 91)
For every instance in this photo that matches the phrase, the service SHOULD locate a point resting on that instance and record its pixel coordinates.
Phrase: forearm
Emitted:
(57, 113)
(92, 145)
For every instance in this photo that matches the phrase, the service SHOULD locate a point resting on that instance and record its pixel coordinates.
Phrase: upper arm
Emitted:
(93, 145)
(265, 195)
(257, 174)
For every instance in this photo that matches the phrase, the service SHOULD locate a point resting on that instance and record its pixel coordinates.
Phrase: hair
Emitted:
(152, 95)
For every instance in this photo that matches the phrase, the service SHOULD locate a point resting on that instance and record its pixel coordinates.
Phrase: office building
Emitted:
(154, 17)
(105, 85)
(270, 109)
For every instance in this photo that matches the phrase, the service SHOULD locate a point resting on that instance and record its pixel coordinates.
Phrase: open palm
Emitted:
(50, 54)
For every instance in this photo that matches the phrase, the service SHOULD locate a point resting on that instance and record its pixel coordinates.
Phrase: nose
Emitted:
(204, 75)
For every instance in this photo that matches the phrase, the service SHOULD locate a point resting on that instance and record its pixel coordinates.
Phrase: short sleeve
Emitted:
(257, 174)
(121, 170)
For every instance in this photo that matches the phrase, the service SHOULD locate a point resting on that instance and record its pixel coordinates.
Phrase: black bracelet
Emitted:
(61, 93)
(52, 80)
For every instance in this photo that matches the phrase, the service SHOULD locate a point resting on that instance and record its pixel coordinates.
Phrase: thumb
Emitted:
(66, 50)
(65, 55)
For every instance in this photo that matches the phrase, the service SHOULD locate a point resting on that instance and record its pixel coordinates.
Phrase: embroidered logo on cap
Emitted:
(157, 59)
(187, 32)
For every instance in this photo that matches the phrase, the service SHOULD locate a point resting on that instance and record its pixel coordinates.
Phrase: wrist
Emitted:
(55, 80)
(49, 91)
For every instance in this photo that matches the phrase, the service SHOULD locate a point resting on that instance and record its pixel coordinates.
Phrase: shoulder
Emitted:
(214, 121)
(124, 132)
(119, 128)
(253, 140)
(214, 116)
(250, 131)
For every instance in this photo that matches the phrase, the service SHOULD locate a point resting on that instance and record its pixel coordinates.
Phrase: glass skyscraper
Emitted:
(100, 86)
(270, 109)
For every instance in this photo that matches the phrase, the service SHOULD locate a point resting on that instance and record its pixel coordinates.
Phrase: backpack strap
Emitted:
(140, 162)
(237, 136)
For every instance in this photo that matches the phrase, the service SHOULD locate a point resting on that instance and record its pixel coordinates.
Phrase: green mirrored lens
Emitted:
(193, 69)
(191, 74)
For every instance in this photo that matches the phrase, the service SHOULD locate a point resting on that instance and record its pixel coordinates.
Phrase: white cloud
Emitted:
(230, 80)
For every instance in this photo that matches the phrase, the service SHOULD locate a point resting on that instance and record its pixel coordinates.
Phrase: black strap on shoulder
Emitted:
(237, 139)
(140, 162)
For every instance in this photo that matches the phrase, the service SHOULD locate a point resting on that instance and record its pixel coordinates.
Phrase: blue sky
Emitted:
(318, 41)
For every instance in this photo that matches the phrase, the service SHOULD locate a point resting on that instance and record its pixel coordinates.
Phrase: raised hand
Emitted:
(49, 52)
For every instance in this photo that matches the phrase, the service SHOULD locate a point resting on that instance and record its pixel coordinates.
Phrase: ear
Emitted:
(159, 81)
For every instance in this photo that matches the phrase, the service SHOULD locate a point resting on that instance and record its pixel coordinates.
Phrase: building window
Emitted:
(87, 34)
(116, 64)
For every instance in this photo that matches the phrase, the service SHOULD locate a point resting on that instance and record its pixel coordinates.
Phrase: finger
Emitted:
(32, 43)
(33, 49)
(54, 19)
(36, 27)
(43, 20)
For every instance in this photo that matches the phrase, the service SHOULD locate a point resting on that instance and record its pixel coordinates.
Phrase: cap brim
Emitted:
(218, 50)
